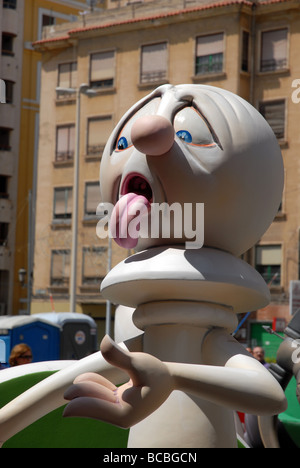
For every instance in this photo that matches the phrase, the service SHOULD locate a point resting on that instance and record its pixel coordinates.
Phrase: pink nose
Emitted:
(152, 135)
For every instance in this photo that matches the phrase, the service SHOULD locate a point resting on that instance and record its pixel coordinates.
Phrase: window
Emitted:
(62, 205)
(48, 20)
(3, 233)
(8, 44)
(9, 87)
(273, 50)
(209, 54)
(12, 4)
(5, 139)
(245, 52)
(268, 263)
(3, 186)
(99, 129)
(154, 63)
(92, 198)
(274, 113)
(67, 75)
(60, 267)
(94, 265)
(65, 142)
(102, 69)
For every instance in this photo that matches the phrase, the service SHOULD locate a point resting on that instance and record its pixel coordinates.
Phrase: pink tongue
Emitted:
(129, 207)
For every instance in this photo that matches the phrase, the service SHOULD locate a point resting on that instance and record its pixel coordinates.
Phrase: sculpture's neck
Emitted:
(174, 330)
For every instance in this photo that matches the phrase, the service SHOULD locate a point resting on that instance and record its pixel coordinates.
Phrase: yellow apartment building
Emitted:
(122, 53)
(21, 23)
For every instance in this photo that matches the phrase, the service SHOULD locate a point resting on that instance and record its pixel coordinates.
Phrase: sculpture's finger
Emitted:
(90, 389)
(94, 408)
(93, 377)
(119, 357)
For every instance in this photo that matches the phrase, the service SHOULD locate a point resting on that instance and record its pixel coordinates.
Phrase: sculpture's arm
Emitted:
(235, 379)
(241, 385)
(48, 394)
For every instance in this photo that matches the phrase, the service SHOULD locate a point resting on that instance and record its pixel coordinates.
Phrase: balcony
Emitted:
(7, 117)
(6, 162)
(10, 20)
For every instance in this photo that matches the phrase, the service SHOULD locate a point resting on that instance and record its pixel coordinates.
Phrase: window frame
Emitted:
(243, 51)
(158, 78)
(100, 147)
(6, 147)
(91, 280)
(64, 280)
(272, 70)
(87, 214)
(270, 272)
(273, 102)
(67, 156)
(107, 83)
(10, 4)
(70, 84)
(68, 194)
(197, 74)
(8, 52)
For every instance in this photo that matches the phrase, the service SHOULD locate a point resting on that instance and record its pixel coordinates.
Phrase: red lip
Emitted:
(138, 184)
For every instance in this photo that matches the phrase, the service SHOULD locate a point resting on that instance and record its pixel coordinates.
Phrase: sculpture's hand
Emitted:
(95, 397)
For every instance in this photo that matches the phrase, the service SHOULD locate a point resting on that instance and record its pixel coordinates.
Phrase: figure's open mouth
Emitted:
(135, 183)
(133, 204)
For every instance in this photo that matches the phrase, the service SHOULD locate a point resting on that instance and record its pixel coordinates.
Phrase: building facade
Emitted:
(122, 53)
(21, 23)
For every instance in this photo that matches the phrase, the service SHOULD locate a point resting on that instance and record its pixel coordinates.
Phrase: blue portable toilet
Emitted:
(2, 352)
(78, 333)
(43, 337)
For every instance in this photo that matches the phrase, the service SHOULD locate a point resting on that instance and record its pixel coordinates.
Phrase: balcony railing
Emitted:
(64, 156)
(149, 77)
(94, 150)
(273, 64)
(209, 64)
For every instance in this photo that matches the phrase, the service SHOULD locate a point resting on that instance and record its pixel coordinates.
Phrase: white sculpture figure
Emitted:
(182, 145)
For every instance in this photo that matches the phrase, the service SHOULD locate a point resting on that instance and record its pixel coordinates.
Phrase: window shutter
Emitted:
(268, 255)
(94, 263)
(60, 202)
(154, 62)
(102, 66)
(92, 197)
(99, 129)
(274, 113)
(57, 265)
(64, 75)
(62, 139)
(210, 45)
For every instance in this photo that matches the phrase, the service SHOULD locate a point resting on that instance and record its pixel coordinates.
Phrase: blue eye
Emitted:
(122, 144)
(185, 136)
